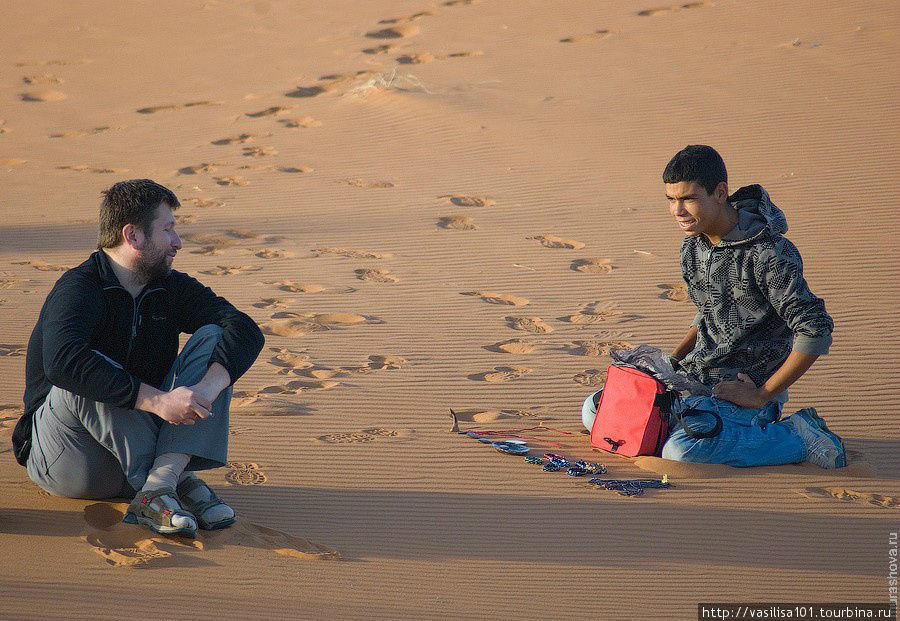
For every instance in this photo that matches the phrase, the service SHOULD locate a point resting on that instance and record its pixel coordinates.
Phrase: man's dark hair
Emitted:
(131, 202)
(699, 164)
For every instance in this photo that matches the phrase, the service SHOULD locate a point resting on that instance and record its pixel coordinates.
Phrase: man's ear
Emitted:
(132, 236)
(721, 192)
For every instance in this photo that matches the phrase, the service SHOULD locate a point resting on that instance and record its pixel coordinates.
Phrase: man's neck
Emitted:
(727, 221)
(126, 276)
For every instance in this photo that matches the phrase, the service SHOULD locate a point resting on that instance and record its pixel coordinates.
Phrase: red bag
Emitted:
(632, 413)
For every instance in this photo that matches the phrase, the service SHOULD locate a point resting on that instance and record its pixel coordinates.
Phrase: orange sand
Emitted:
(457, 204)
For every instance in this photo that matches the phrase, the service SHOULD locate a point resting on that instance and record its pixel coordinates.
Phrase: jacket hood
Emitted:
(757, 216)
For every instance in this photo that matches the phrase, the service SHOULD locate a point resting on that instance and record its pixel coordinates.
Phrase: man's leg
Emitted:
(200, 446)
(749, 437)
(85, 449)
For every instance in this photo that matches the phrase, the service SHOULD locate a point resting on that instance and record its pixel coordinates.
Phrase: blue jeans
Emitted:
(749, 437)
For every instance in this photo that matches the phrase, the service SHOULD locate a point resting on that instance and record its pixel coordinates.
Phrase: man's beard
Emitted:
(151, 263)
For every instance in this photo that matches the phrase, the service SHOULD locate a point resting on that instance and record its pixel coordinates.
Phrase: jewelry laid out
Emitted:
(553, 462)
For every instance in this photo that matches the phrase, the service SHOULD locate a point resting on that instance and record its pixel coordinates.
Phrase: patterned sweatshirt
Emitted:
(754, 305)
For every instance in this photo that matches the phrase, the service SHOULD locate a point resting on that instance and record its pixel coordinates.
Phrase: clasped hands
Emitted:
(742, 391)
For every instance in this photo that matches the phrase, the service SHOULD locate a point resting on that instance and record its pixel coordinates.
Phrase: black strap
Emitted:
(700, 435)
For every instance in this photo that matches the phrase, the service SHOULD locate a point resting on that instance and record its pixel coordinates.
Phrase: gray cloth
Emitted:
(88, 449)
(754, 306)
(652, 360)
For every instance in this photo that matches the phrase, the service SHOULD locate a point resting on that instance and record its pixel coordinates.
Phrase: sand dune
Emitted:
(456, 204)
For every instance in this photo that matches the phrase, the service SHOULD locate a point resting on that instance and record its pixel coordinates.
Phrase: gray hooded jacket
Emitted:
(754, 304)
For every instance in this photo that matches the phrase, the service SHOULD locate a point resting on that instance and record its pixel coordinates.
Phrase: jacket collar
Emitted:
(108, 278)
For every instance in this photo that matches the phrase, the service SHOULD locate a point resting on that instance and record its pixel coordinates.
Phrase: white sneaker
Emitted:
(823, 447)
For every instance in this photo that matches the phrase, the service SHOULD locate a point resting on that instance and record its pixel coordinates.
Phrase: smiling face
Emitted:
(696, 212)
(158, 246)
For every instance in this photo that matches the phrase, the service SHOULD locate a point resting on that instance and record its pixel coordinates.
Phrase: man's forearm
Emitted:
(793, 369)
(214, 382)
(687, 345)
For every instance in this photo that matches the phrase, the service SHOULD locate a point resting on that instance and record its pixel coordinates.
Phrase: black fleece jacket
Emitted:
(88, 311)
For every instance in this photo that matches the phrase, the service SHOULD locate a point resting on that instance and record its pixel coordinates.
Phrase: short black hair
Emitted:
(697, 163)
(131, 202)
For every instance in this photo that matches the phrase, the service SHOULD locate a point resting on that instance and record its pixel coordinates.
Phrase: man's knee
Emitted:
(209, 331)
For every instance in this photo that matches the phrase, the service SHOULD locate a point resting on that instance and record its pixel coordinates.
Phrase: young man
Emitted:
(758, 328)
(112, 409)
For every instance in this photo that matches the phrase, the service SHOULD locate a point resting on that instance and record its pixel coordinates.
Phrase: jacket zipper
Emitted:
(136, 321)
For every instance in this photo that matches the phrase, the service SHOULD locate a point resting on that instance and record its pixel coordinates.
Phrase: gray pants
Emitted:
(87, 449)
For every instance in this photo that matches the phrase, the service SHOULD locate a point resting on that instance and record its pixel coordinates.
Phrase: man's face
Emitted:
(160, 244)
(694, 210)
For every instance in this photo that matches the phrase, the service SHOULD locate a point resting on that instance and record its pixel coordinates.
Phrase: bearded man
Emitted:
(112, 409)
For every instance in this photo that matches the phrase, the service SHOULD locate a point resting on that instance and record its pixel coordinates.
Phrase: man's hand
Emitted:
(742, 392)
(180, 406)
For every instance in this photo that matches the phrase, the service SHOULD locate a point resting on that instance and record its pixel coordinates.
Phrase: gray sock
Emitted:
(166, 470)
(200, 494)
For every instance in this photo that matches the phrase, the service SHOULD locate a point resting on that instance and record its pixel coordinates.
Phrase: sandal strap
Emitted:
(198, 508)
(141, 506)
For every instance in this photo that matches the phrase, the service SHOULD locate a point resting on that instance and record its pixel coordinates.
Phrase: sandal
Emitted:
(155, 516)
(199, 508)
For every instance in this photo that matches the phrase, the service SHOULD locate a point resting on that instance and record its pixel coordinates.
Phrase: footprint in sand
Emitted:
(77, 133)
(9, 350)
(239, 139)
(593, 36)
(492, 416)
(294, 169)
(273, 111)
(126, 545)
(203, 203)
(3, 128)
(210, 243)
(371, 434)
(408, 19)
(457, 223)
(190, 104)
(420, 58)
(292, 286)
(529, 324)
(674, 7)
(94, 169)
(501, 374)
(294, 325)
(849, 495)
(387, 48)
(11, 161)
(459, 2)
(188, 218)
(272, 303)
(597, 347)
(310, 91)
(372, 274)
(676, 291)
(504, 299)
(240, 473)
(552, 241)
(273, 253)
(512, 346)
(598, 312)
(394, 32)
(300, 121)
(203, 168)
(230, 270)
(349, 253)
(592, 265)
(259, 151)
(43, 95)
(231, 181)
(386, 363)
(463, 200)
(590, 377)
(366, 185)
(9, 283)
(43, 266)
(42, 78)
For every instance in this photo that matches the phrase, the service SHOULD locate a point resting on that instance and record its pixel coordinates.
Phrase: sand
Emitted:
(456, 204)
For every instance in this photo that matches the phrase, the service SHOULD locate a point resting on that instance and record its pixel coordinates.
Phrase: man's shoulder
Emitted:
(84, 275)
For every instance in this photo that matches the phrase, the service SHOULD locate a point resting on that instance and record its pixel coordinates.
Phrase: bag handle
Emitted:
(700, 435)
